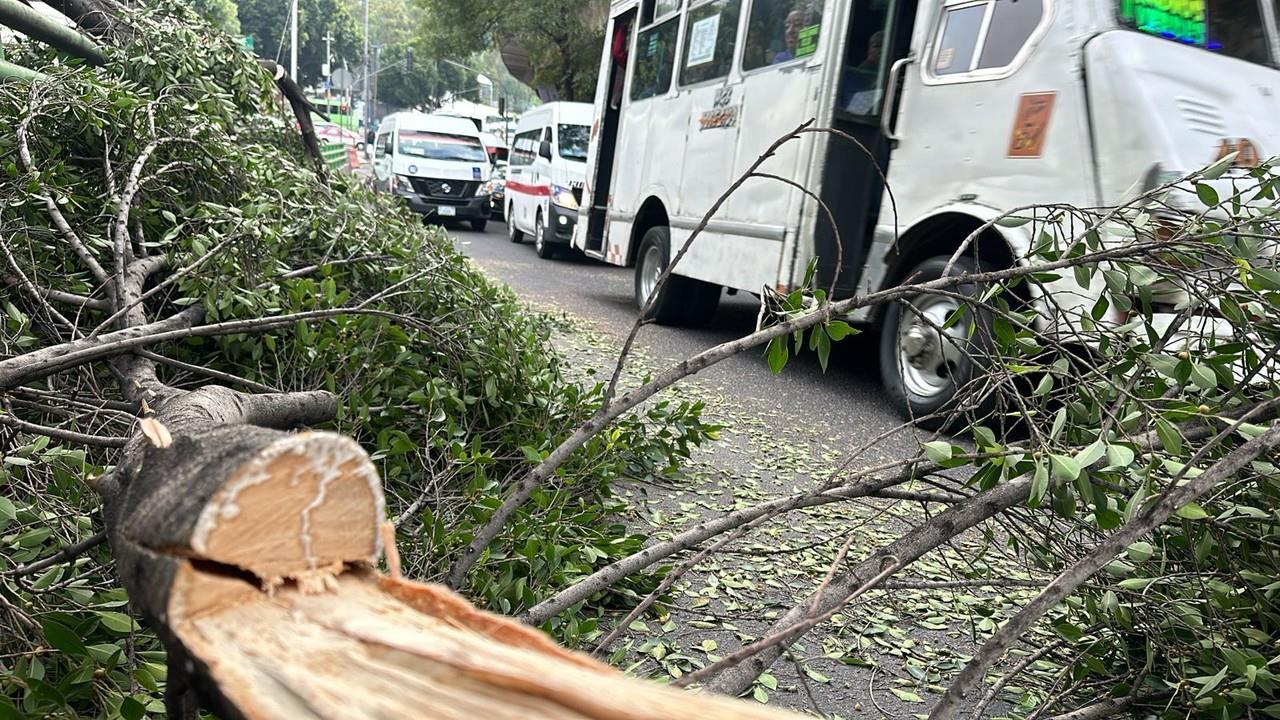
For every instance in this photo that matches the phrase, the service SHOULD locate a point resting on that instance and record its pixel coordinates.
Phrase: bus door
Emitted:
(708, 97)
(601, 152)
(877, 42)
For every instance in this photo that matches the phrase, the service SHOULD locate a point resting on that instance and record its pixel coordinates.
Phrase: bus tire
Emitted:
(681, 300)
(513, 234)
(929, 377)
(479, 225)
(541, 247)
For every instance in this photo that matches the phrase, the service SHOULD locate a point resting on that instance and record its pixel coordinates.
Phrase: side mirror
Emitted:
(544, 149)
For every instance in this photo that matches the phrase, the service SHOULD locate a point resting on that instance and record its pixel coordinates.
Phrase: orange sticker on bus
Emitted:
(1031, 124)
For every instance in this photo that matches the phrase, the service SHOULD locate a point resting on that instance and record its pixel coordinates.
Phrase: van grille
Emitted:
(432, 187)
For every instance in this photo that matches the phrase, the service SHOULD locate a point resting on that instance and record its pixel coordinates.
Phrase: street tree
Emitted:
(267, 22)
(220, 13)
(563, 39)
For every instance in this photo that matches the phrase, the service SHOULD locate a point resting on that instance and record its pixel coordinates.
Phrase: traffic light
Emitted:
(502, 106)
(408, 59)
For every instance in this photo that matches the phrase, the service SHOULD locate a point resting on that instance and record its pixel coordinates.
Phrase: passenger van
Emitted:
(969, 109)
(545, 174)
(437, 164)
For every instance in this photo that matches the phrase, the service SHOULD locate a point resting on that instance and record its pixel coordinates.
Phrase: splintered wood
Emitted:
(380, 648)
(279, 613)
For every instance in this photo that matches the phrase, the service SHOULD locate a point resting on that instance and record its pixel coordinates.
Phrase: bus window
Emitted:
(1229, 27)
(524, 149)
(1012, 22)
(866, 56)
(960, 30)
(779, 31)
(968, 43)
(710, 32)
(654, 59)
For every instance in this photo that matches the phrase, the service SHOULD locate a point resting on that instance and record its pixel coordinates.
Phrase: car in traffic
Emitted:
(496, 189)
(545, 180)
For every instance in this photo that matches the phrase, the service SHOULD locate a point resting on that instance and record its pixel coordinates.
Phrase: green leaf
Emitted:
(531, 455)
(61, 638)
(769, 681)
(1091, 454)
(116, 622)
(938, 451)
(1202, 377)
(777, 354)
(8, 512)
(1214, 171)
(1169, 436)
(1064, 468)
(1192, 511)
(1119, 456)
(1140, 551)
(1207, 194)
(906, 695)
(839, 330)
(1039, 485)
(824, 347)
(1208, 683)
(759, 694)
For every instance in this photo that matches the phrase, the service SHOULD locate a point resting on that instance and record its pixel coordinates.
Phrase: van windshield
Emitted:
(573, 141)
(439, 146)
(1228, 27)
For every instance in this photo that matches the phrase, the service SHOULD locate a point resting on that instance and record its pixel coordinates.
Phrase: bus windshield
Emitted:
(573, 141)
(438, 146)
(1237, 28)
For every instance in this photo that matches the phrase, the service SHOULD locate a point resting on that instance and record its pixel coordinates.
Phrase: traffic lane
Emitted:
(846, 403)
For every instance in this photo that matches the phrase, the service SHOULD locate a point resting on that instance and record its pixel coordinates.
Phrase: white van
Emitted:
(545, 174)
(437, 164)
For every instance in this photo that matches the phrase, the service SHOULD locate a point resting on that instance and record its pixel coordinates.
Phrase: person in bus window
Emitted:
(861, 92)
(790, 36)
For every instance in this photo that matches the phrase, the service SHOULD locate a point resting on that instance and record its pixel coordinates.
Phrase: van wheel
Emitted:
(479, 225)
(929, 369)
(681, 300)
(513, 234)
(544, 249)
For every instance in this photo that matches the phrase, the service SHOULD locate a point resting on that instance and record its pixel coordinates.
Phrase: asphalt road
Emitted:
(845, 405)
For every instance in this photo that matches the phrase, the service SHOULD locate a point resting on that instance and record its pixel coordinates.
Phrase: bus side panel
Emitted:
(956, 140)
(650, 163)
(733, 260)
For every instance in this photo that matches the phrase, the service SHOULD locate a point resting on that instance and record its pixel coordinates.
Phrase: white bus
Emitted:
(971, 107)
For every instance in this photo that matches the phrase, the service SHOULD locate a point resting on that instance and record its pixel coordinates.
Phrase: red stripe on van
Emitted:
(534, 190)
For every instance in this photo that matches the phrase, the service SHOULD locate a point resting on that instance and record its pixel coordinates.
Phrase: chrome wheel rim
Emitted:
(929, 356)
(538, 242)
(650, 271)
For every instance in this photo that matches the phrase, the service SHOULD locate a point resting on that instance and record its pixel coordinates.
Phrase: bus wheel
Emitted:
(513, 234)
(682, 300)
(929, 369)
(544, 249)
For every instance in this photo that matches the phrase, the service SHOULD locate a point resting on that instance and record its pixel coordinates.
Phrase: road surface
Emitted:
(783, 433)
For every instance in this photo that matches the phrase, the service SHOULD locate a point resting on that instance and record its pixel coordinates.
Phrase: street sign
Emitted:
(248, 42)
(324, 69)
(343, 79)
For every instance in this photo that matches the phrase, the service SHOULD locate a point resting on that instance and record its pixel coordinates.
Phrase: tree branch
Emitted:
(1151, 517)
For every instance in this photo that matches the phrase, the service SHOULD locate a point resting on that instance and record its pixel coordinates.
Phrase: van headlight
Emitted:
(401, 184)
(563, 197)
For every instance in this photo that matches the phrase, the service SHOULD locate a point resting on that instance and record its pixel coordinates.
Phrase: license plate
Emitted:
(446, 211)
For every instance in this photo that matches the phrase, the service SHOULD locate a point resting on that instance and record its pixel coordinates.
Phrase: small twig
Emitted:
(60, 434)
(65, 554)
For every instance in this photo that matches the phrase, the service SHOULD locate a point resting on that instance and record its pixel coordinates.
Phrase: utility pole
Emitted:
(364, 86)
(327, 71)
(293, 40)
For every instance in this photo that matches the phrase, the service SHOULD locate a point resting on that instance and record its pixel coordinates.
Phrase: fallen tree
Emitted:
(1147, 426)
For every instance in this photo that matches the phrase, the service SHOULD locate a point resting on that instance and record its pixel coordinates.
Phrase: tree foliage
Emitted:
(267, 22)
(449, 382)
(563, 38)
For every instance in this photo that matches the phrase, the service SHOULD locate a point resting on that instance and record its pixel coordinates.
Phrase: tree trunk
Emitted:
(253, 551)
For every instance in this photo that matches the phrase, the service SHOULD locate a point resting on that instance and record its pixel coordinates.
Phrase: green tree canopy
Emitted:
(563, 38)
(267, 22)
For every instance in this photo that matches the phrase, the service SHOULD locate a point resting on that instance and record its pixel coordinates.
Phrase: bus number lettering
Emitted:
(1031, 124)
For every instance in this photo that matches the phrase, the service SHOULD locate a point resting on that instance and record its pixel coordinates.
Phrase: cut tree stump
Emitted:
(253, 552)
